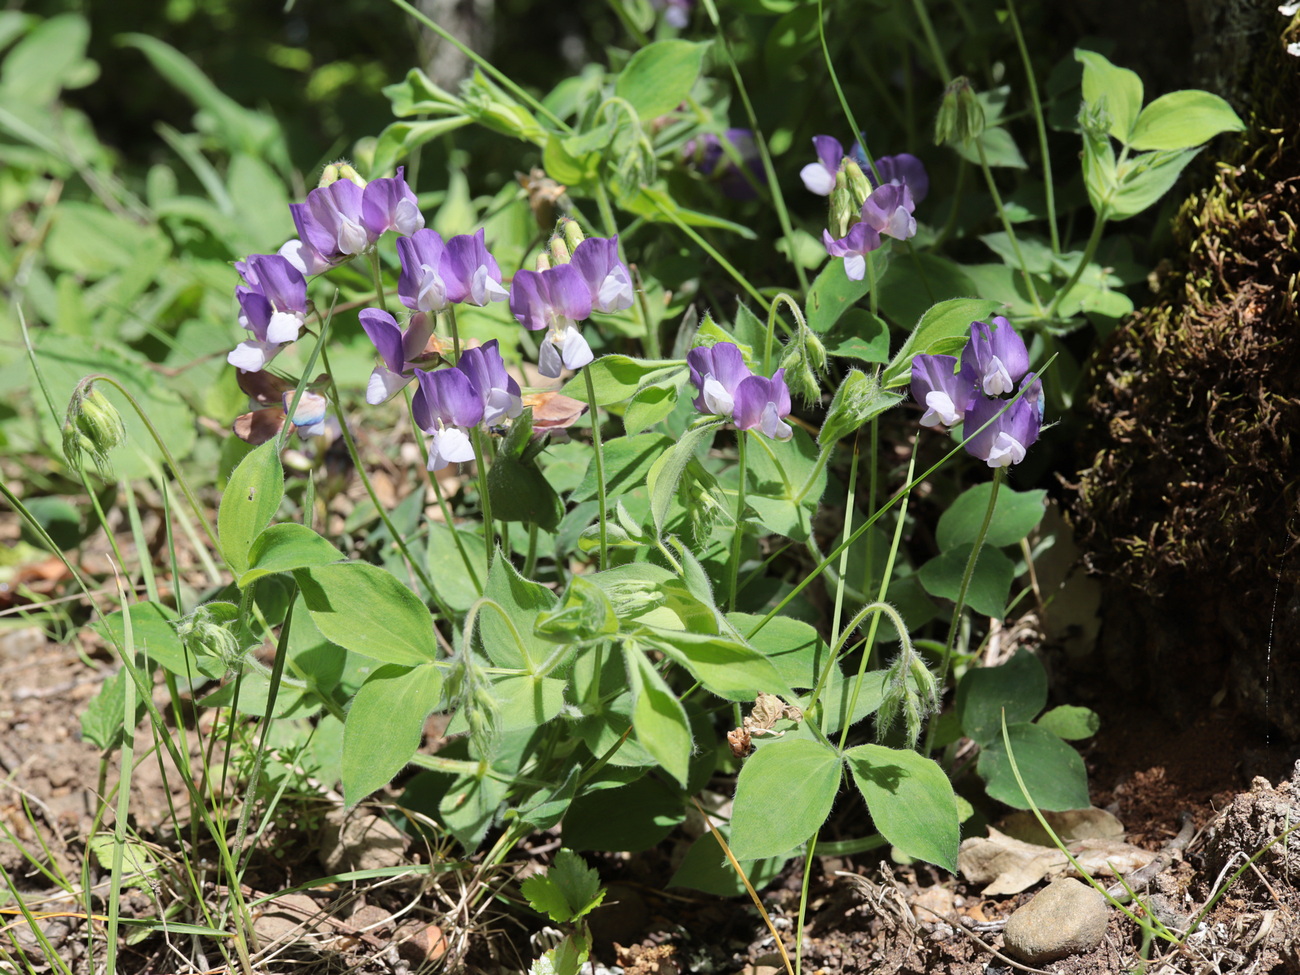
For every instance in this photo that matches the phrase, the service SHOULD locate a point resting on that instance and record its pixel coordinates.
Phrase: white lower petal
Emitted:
(252, 356)
(408, 218)
(716, 397)
(772, 425)
(548, 359)
(1006, 450)
(352, 238)
(384, 383)
(855, 267)
(500, 403)
(940, 409)
(433, 291)
(615, 292)
(451, 445)
(574, 350)
(818, 179)
(483, 288)
(284, 326)
(997, 381)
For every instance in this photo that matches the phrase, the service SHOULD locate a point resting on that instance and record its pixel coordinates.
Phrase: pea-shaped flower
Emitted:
(399, 349)
(272, 306)
(450, 402)
(996, 357)
(726, 387)
(555, 299)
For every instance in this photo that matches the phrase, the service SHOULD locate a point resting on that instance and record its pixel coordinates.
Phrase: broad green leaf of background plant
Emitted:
(831, 295)
(627, 460)
(627, 818)
(1070, 722)
(659, 77)
(1118, 90)
(795, 648)
(911, 801)
(524, 701)
(990, 583)
(786, 483)
(728, 669)
(519, 490)
(285, 547)
(567, 890)
(566, 958)
(658, 717)
(616, 377)
(102, 722)
(1182, 120)
(250, 501)
(385, 725)
(783, 795)
(365, 609)
(1053, 771)
(666, 472)
(942, 329)
(1018, 687)
(1016, 514)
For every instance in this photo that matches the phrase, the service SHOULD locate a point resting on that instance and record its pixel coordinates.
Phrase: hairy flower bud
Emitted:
(571, 231)
(92, 426)
(340, 170)
(859, 185)
(843, 210)
(206, 633)
(961, 117)
(558, 250)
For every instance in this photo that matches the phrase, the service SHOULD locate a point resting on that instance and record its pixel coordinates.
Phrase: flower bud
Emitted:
(543, 262)
(859, 185)
(92, 426)
(559, 251)
(843, 212)
(573, 235)
(634, 598)
(205, 633)
(961, 117)
(340, 170)
(799, 375)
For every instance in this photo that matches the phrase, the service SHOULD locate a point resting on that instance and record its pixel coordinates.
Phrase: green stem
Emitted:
(1006, 224)
(1089, 252)
(1041, 124)
(959, 607)
(637, 33)
(600, 466)
(737, 538)
(844, 555)
(485, 497)
(712, 251)
(932, 40)
(803, 902)
(377, 276)
(530, 560)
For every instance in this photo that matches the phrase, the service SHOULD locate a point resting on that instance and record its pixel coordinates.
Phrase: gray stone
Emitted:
(1065, 918)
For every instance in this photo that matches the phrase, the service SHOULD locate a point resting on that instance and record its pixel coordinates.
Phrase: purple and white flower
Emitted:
(903, 169)
(309, 419)
(471, 272)
(717, 372)
(1008, 438)
(945, 393)
(272, 305)
(555, 299)
(398, 349)
(497, 389)
(447, 406)
(854, 246)
(421, 286)
(996, 357)
(888, 211)
(389, 204)
(763, 404)
(609, 282)
(331, 222)
(819, 176)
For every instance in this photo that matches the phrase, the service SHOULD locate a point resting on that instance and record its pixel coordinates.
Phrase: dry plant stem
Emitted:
(600, 466)
(744, 879)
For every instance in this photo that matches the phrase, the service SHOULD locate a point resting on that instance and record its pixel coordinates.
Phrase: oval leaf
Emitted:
(367, 610)
(385, 725)
(660, 76)
(1018, 687)
(250, 501)
(1017, 514)
(1183, 119)
(911, 801)
(283, 548)
(783, 795)
(1052, 770)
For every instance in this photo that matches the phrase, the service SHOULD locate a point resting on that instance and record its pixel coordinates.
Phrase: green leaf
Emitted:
(102, 721)
(705, 867)
(858, 399)
(944, 328)
(1117, 90)
(1017, 514)
(139, 867)
(524, 701)
(250, 501)
(990, 584)
(519, 490)
(365, 609)
(283, 548)
(385, 726)
(729, 669)
(783, 795)
(153, 632)
(831, 295)
(568, 890)
(795, 648)
(652, 203)
(629, 819)
(399, 139)
(1070, 722)
(566, 958)
(787, 482)
(911, 801)
(859, 335)
(513, 644)
(584, 613)
(666, 472)
(660, 76)
(447, 570)
(1183, 119)
(999, 149)
(616, 377)
(627, 461)
(658, 717)
(1018, 687)
(649, 405)
(1145, 178)
(1053, 771)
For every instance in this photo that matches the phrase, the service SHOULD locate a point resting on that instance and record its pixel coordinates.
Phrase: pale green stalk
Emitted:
(1040, 122)
(485, 496)
(127, 765)
(1089, 252)
(737, 538)
(600, 466)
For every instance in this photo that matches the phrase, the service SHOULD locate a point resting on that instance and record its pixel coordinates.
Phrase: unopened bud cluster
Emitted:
(91, 427)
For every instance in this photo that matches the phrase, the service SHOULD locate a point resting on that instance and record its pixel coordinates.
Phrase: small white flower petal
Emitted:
(818, 179)
(940, 409)
(574, 350)
(716, 397)
(252, 356)
(1006, 450)
(451, 445)
(855, 267)
(772, 425)
(383, 384)
(284, 326)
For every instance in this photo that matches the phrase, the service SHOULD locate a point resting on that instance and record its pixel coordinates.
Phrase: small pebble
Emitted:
(1065, 918)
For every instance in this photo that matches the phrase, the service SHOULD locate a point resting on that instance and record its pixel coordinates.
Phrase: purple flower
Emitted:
(763, 404)
(609, 282)
(555, 299)
(446, 406)
(471, 273)
(888, 211)
(819, 177)
(389, 204)
(398, 349)
(497, 391)
(945, 393)
(904, 170)
(332, 222)
(860, 241)
(717, 371)
(272, 305)
(676, 12)
(304, 257)
(1006, 440)
(995, 358)
(421, 286)
(709, 158)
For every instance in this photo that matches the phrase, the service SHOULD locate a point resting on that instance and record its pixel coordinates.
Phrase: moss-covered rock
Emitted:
(1190, 504)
